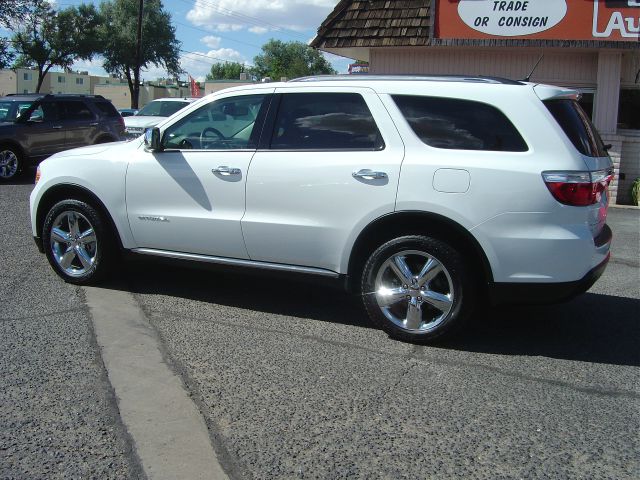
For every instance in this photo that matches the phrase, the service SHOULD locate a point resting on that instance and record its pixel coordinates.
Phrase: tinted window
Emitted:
(325, 121)
(106, 109)
(76, 110)
(577, 126)
(223, 124)
(47, 112)
(460, 124)
(159, 108)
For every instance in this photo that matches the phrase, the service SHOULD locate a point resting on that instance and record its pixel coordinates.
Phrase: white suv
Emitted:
(426, 195)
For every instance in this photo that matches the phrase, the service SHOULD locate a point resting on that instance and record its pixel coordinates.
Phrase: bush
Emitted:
(635, 191)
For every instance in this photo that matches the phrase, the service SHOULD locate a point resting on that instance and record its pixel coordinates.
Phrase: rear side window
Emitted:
(576, 125)
(453, 123)
(325, 121)
(76, 110)
(106, 109)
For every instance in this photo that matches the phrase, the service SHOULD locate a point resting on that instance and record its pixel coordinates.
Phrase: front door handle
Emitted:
(369, 174)
(224, 170)
(57, 127)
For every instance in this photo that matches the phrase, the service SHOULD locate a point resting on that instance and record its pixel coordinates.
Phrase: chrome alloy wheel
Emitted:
(414, 290)
(73, 243)
(8, 164)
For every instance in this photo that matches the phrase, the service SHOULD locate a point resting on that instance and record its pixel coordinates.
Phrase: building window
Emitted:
(79, 81)
(628, 109)
(61, 79)
(586, 102)
(26, 90)
(26, 76)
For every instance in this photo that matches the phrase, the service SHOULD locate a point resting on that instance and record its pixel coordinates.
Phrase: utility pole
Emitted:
(136, 70)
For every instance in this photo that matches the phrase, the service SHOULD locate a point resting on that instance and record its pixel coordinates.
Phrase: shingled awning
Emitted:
(355, 26)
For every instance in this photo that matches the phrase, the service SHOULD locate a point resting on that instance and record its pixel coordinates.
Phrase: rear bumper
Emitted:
(544, 293)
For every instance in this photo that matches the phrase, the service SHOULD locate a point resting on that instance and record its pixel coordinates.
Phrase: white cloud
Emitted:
(227, 27)
(296, 15)
(258, 30)
(211, 41)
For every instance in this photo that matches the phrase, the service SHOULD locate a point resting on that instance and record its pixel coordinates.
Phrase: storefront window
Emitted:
(629, 106)
(586, 102)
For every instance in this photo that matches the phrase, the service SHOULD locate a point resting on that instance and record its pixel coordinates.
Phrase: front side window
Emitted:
(225, 124)
(325, 121)
(453, 123)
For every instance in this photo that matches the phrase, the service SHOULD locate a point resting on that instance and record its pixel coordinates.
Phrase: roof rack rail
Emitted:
(408, 77)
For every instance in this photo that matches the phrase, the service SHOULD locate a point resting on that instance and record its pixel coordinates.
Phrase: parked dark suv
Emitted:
(35, 126)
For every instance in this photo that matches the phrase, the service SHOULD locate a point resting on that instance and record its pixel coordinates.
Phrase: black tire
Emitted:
(103, 251)
(453, 289)
(11, 163)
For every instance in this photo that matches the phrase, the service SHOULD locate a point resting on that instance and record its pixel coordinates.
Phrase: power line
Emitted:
(217, 34)
(247, 18)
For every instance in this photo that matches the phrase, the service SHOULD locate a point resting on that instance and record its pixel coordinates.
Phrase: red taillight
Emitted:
(578, 189)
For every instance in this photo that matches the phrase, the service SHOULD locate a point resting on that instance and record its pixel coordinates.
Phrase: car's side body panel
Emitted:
(303, 205)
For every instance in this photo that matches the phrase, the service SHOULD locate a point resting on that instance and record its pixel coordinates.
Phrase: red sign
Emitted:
(605, 20)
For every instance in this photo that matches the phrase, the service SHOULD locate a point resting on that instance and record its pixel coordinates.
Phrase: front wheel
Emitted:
(417, 288)
(78, 242)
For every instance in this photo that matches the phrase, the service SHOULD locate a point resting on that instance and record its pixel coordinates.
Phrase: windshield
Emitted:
(159, 108)
(9, 111)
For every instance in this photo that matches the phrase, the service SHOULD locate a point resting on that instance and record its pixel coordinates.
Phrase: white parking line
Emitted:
(169, 433)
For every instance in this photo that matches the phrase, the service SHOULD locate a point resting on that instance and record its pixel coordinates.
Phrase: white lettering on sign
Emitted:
(627, 27)
(506, 18)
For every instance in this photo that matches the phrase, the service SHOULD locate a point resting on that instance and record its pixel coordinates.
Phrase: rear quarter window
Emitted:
(106, 109)
(453, 123)
(576, 125)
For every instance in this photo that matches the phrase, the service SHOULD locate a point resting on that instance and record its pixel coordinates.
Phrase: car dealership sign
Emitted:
(613, 20)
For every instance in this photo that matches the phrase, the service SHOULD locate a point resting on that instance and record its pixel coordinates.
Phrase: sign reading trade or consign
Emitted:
(605, 20)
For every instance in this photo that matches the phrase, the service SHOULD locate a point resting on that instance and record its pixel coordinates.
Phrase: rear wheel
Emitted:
(10, 162)
(78, 242)
(417, 288)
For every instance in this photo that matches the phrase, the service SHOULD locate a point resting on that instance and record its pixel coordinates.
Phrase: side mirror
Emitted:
(152, 139)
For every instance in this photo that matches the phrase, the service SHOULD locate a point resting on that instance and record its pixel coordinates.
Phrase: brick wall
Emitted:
(615, 152)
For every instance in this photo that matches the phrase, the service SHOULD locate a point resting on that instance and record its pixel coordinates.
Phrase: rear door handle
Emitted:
(94, 124)
(57, 127)
(224, 170)
(367, 174)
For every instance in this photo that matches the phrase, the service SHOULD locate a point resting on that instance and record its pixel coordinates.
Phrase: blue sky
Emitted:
(217, 30)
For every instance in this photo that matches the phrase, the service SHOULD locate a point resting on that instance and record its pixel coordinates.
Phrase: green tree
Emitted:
(225, 71)
(118, 35)
(289, 59)
(45, 38)
(10, 10)
(6, 55)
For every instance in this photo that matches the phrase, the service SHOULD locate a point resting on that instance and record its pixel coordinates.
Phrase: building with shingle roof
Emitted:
(589, 45)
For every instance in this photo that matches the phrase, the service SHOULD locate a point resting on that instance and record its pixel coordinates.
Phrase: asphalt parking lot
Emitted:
(293, 383)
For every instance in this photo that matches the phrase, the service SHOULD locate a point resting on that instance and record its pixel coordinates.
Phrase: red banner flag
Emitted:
(195, 88)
